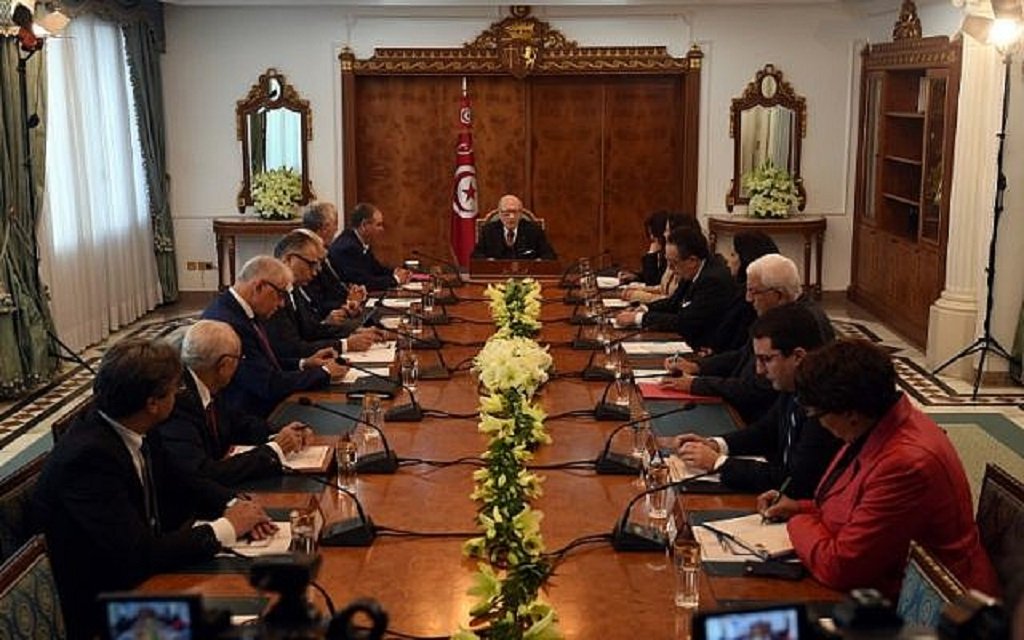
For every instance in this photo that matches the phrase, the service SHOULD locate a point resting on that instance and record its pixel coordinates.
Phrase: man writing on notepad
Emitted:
(794, 445)
(203, 428)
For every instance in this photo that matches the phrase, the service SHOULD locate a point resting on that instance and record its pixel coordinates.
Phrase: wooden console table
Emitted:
(812, 228)
(225, 230)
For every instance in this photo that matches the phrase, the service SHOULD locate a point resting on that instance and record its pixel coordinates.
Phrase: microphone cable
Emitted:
(405, 533)
(572, 464)
(558, 555)
(470, 460)
(575, 413)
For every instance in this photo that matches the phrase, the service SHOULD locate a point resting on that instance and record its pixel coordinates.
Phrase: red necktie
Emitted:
(510, 238)
(265, 344)
(211, 423)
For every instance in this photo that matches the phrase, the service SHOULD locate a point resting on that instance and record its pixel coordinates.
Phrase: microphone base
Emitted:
(426, 344)
(598, 373)
(349, 533)
(637, 537)
(581, 344)
(435, 373)
(404, 413)
(573, 298)
(609, 411)
(582, 319)
(378, 462)
(369, 384)
(617, 464)
(448, 299)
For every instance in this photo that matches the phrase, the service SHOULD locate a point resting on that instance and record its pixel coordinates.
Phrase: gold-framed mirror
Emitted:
(767, 122)
(274, 126)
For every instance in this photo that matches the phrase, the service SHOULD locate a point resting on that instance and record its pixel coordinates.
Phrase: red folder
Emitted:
(654, 391)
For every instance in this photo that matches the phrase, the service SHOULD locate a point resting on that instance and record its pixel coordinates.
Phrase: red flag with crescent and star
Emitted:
(464, 207)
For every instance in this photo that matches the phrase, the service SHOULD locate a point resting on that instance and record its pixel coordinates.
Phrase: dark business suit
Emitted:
(696, 307)
(327, 291)
(91, 504)
(797, 447)
(260, 384)
(296, 332)
(357, 264)
(198, 443)
(531, 242)
(652, 267)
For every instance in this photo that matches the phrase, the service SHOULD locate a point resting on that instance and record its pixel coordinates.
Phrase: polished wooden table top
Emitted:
(422, 583)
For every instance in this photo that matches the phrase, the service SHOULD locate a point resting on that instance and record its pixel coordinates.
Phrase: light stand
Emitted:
(987, 342)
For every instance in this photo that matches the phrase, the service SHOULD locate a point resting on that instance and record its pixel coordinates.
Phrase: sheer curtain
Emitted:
(95, 237)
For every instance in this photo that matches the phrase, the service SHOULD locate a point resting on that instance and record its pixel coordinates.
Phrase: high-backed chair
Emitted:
(15, 496)
(927, 587)
(1001, 521)
(29, 604)
(61, 425)
(492, 215)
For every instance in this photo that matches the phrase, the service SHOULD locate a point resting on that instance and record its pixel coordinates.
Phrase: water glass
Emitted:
(658, 476)
(427, 300)
(621, 388)
(686, 561)
(410, 371)
(346, 455)
(372, 413)
(303, 525)
(415, 319)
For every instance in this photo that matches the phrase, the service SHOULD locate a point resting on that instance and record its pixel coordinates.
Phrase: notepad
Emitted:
(312, 459)
(766, 540)
(275, 544)
(614, 303)
(399, 303)
(654, 391)
(607, 282)
(413, 286)
(354, 374)
(382, 352)
(641, 347)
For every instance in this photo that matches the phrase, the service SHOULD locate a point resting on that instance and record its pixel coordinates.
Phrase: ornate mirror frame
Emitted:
(260, 98)
(768, 89)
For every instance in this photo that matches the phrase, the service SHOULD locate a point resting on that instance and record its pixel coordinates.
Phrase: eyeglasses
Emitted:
(765, 358)
(232, 356)
(281, 292)
(756, 292)
(314, 265)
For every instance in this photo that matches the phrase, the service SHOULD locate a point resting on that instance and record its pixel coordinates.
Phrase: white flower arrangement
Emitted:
(515, 307)
(773, 193)
(275, 193)
(513, 363)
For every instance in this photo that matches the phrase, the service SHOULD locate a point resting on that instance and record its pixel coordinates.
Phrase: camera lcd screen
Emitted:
(780, 623)
(159, 617)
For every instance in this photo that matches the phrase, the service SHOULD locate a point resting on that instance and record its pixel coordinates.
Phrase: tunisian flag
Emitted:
(464, 206)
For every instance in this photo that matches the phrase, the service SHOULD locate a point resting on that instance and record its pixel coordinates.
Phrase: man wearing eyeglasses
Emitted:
(796, 447)
(328, 291)
(512, 236)
(265, 378)
(295, 330)
(203, 428)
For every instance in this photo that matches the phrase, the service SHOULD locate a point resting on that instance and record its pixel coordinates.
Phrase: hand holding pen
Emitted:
(774, 505)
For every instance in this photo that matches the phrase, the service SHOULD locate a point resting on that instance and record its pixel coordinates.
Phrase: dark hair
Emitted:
(848, 375)
(749, 246)
(133, 371)
(314, 217)
(361, 213)
(788, 326)
(294, 242)
(655, 224)
(677, 220)
(690, 241)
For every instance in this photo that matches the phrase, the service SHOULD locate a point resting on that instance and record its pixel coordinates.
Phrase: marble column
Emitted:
(956, 317)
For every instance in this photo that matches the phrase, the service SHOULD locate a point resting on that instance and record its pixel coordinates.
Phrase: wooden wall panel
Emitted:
(643, 172)
(566, 175)
(499, 137)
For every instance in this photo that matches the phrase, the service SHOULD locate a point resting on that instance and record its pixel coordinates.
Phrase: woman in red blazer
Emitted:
(897, 478)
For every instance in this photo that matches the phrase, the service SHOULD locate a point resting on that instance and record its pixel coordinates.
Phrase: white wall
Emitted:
(215, 54)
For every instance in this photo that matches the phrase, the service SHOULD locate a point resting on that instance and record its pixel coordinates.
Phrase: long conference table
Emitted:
(422, 582)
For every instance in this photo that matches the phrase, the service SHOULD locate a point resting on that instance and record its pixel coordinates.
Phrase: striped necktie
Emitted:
(261, 335)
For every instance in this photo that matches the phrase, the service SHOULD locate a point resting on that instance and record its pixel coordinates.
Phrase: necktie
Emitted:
(261, 335)
(149, 490)
(510, 238)
(790, 433)
(212, 425)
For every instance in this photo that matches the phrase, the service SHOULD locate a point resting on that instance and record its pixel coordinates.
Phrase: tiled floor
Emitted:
(24, 425)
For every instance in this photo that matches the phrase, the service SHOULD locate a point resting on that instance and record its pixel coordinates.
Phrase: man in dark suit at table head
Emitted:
(203, 427)
(328, 290)
(351, 253)
(511, 236)
(113, 511)
(795, 445)
(265, 378)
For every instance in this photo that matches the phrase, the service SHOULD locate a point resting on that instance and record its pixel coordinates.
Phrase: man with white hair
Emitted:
(328, 291)
(512, 236)
(264, 378)
(772, 281)
(203, 427)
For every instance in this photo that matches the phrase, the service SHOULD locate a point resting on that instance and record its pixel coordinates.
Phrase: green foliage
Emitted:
(276, 192)
(773, 193)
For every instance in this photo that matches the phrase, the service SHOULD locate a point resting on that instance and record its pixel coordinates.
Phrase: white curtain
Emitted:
(284, 140)
(95, 235)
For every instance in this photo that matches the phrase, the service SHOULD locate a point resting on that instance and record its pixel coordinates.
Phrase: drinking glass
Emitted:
(410, 371)
(303, 525)
(346, 455)
(415, 319)
(686, 561)
(658, 476)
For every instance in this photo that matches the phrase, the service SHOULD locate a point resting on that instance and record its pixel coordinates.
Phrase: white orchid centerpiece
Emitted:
(772, 191)
(515, 307)
(276, 192)
(513, 363)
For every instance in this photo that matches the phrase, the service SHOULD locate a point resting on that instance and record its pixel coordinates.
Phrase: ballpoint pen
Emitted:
(775, 500)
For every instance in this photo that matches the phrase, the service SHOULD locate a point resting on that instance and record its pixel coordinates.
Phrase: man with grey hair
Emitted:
(202, 428)
(264, 379)
(772, 281)
(328, 291)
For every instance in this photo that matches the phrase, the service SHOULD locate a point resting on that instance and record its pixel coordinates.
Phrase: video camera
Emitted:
(864, 614)
(173, 616)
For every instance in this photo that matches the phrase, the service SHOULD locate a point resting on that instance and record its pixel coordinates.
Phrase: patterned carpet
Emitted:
(24, 424)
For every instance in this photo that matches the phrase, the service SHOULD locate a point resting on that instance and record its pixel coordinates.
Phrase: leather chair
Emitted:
(1001, 522)
(493, 215)
(29, 604)
(15, 497)
(927, 587)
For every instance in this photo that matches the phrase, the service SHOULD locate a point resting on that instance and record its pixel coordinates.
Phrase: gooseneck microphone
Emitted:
(452, 268)
(627, 536)
(620, 464)
(352, 532)
(605, 410)
(372, 382)
(377, 462)
(411, 412)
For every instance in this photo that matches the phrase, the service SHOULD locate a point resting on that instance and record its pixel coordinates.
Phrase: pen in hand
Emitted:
(775, 500)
